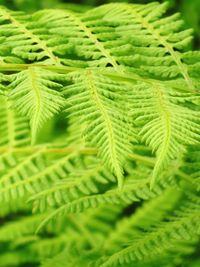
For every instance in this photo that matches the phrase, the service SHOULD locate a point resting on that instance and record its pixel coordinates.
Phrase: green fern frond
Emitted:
(181, 227)
(16, 229)
(34, 94)
(166, 125)
(27, 39)
(34, 172)
(100, 102)
(191, 166)
(77, 183)
(13, 183)
(164, 35)
(145, 217)
(131, 192)
(78, 31)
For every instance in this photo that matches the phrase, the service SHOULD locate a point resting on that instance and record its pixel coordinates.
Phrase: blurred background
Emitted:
(190, 9)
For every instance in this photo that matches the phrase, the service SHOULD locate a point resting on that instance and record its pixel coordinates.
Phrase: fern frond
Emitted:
(180, 227)
(157, 42)
(126, 77)
(100, 102)
(34, 94)
(145, 217)
(49, 247)
(13, 183)
(166, 125)
(33, 173)
(191, 166)
(77, 183)
(97, 220)
(27, 39)
(93, 32)
(131, 192)
(88, 38)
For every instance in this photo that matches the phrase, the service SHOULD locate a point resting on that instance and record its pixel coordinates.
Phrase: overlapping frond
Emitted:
(181, 227)
(26, 39)
(33, 173)
(166, 125)
(145, 217)
(77, 184)
(157, 41)
(131, 192)
(89, 41)
(128, 40)
(101, 104)
(35, 94)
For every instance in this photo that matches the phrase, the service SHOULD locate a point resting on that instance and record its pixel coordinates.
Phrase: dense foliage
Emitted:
(99, 134)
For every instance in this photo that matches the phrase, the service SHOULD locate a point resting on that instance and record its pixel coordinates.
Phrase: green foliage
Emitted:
(99, 127)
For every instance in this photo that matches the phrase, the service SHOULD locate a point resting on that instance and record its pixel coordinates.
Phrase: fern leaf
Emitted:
(164, 34)
(27, 39)
(124, 74)
(32, 173)
(145, 217)
(100, 103)
(78, 184)
(182, 227)
(13, 183)
(128, 194)
(82, 38)
(34, 93)
(166, 126)
(16, 229)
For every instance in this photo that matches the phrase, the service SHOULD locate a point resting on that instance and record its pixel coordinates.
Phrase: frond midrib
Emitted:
(109, 125)
(166, 117)
(38, 104)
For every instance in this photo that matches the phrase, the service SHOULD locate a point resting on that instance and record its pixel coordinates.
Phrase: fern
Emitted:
(103, 110)
(182, 228)
(166, 126)
(99, 137)
(36, 88)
